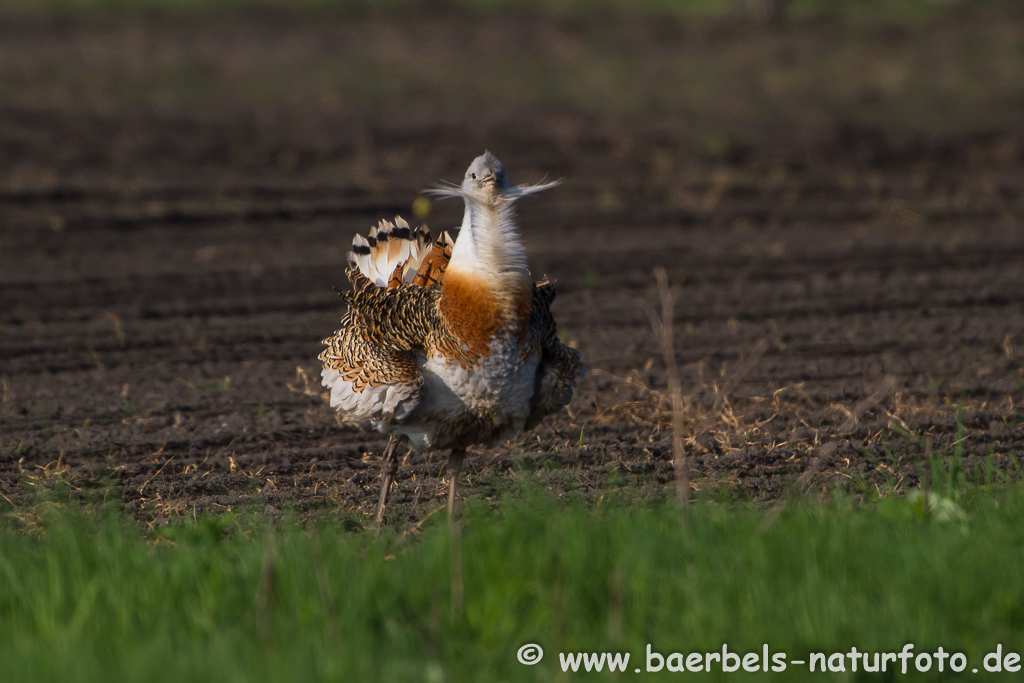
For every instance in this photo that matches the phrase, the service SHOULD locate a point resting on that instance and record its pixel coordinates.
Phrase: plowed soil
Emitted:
(847, 304)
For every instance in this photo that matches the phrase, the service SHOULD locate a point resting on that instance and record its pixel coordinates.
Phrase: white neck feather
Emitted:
(489, 247)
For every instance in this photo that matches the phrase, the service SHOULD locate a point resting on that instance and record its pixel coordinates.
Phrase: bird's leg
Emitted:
(388, 470)
(454, 471)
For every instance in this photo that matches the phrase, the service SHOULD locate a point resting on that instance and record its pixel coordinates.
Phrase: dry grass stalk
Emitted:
(663, 328)
(455, 557)
(824, 453)
(737, 375)
(881, 392)
(713, 415)
(307, 386)
(266, 594)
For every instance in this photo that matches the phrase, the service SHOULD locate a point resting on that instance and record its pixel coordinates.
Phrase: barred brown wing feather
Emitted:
(364, 363)
(431, 270)
(399, 318)
(560, 366)
(370, 363)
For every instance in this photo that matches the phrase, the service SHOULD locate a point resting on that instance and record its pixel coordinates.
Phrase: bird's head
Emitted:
(485, 182)
(485, 177)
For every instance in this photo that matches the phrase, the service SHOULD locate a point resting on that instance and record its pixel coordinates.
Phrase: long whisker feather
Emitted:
(445, 190)
(525, 190)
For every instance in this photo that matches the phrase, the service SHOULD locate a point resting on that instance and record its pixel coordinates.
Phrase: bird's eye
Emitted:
(473, 176)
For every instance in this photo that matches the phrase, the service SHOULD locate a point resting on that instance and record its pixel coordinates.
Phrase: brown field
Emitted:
(841, 208)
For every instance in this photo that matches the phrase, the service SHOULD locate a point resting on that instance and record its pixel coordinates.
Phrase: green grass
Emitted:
(86, 595)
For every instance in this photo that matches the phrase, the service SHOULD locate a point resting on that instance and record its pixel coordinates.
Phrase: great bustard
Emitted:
(448, 346)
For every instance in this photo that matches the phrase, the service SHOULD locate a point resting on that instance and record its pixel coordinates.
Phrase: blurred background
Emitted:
(835, 186)
(353, 92)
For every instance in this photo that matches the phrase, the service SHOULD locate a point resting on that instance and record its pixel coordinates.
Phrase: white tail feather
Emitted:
(388, 246)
